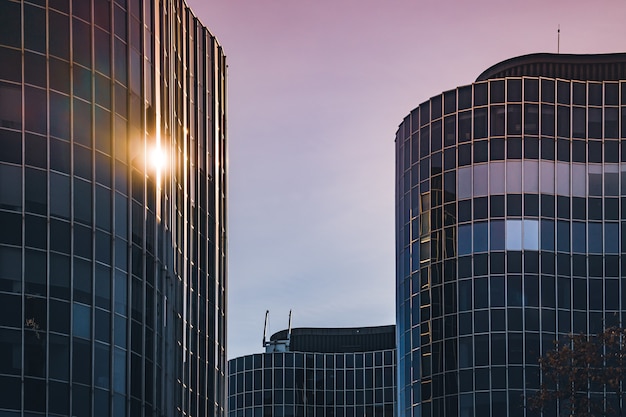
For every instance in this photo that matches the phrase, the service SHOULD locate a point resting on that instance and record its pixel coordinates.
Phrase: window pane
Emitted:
(497, 177)
(481, 240)
(547, 177)
(513, 177)
(481, 180)
(531, 177)
(514, 235)
(531, 234)
(464, 182)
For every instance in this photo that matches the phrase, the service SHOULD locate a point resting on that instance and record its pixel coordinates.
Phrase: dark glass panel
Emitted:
(120, 22)
(449, 100)
(531, 205)
(82, 9)
(547, 205)
(435, 139)
(36, 232)
(514, 90)
(579, 208)
(82, 202)
(547, 149)
(480, 123)
(59, 75)
(579, 122)
(595, 123)
(34, 69)
(82, 162)
(481, 151)
(60, 42)
(82, 269)
(563, 207)
(481, 94)
(579, 151)
(547, 119)
(82, 123)
(611, 94)
(435, 107)
(465, 97)
(103, 130)
(514, 148)
(11, 146)
(36, 191)
(102, 14)
(531, 119)
(82, 374)
(82, 82)
(60, 284)
(465, 126)
(497, 120)
(59, 156)
(611, 129)
(547, 91)
(595, 94)
(497, 205)
(562, 150)
(11, 347)
(59, 115)
(36, 103)
(514, 119)
(449, 130)
(496, 149)
(465, 154)
(595, 208)
(497, 91)
(531, 89)
(563, 121)
(563, 92)
(11, 72)
(531, 148)
(136, 66)
(34, 28)
(579, 93)
(10, 24)
(11, 397)
(611, 209)
(595, 151)
(102, 48)
(35, 272)
(103, 91)
(81, 41)
(103, 247)
(121, 71)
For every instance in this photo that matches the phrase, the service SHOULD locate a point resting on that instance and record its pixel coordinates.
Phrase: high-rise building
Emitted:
(510, 225)
(112, 210)
(342, 372)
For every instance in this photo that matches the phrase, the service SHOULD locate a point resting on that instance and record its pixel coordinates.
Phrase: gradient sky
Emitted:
(317, 89)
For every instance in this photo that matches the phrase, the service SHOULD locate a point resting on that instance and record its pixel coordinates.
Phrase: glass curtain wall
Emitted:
(510, 222)
(112, 210)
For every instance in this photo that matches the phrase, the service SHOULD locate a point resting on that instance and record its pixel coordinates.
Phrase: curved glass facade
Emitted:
(112, 210)
(510, 222)
(298, 384)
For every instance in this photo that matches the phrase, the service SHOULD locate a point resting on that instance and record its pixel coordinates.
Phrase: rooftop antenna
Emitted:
(289, 330)
(267, 317)
(558, 40)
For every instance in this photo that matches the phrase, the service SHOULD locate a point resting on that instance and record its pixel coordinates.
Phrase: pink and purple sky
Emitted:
(316, 92)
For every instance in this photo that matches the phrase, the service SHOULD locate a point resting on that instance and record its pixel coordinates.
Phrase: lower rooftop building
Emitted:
(314, 372)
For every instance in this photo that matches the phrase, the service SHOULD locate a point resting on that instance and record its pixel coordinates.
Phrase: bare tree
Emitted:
(584, 375)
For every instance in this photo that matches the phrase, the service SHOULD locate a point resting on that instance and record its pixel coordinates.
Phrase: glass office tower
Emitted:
(336, 372)
(511, 222)
(112, 210)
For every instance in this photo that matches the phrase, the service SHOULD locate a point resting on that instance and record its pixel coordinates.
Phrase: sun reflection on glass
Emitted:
(157, 159)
